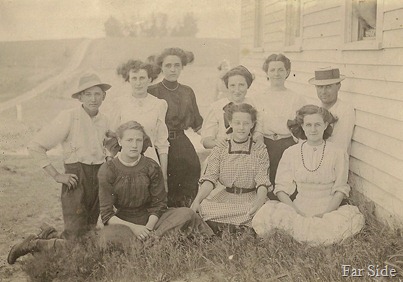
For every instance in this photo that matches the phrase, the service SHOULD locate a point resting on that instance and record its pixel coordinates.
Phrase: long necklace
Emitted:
(321, 159)
(177, 85)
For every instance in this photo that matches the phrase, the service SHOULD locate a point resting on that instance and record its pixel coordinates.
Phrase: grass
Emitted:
(234, 257)
(23, 65)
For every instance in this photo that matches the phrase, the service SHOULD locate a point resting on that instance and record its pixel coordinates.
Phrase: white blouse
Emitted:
(150, 113)
(275, 108)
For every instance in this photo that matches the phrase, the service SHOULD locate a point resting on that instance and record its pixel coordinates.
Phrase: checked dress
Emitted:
(240, 165)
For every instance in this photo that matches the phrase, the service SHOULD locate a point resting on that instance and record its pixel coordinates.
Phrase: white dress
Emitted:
(315, 191)
(150, 112)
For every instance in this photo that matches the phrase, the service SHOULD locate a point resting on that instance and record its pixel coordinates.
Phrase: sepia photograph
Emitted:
(213, 140)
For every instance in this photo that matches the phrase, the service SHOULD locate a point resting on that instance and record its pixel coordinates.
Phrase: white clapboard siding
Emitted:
(387, 201)
(312, 6)
(323, 43)
(372, 87)
(393, 20)
(392, 56)
(393, 38)
(381, 161)
(322, 16)
(326, 29)
(391, 184)
(385, 144)
(384, 107)
(380, 124)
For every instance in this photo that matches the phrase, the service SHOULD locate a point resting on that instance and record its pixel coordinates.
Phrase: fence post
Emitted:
(19, 112)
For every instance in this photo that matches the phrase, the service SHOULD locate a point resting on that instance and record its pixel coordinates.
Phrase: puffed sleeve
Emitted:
(212, 172)
(262, 165)
(285, 174)
(210, 125)
(158, 194)
(198, 119)
(106, 178)
(115, 116)
(341, 171)
(161, 140)
(50, 136)
(260, 120)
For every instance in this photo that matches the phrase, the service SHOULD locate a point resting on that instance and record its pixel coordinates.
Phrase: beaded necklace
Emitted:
(321, 159)
(177, 85)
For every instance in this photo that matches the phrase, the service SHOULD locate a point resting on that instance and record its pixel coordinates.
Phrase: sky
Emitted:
(58, 19)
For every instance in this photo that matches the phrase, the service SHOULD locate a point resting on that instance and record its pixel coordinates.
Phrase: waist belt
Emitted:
(236, 190)
(173, 134)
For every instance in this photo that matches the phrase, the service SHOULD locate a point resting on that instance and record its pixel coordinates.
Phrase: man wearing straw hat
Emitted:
(328, 82)
(81, 132)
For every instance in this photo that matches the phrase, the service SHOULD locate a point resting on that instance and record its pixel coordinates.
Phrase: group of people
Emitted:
(275, 162)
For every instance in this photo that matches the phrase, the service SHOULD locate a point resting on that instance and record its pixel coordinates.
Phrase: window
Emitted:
(363, 20)
(293, 25)
(258, 24)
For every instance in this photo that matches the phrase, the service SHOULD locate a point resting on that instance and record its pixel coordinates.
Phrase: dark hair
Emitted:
(295, 125)
(137, 126)
(135, 65)
(221, 63)
(239, 70)
(242, 108)
(186, 57)
(277, 57)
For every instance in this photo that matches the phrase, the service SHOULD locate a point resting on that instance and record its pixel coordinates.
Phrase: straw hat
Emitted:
(87, 81)
(326, 76)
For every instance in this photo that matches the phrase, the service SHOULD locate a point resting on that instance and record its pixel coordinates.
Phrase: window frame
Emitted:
(371, 44)
(297, 45)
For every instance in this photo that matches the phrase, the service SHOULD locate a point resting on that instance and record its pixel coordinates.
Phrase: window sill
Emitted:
(293, 48)
(258, 50)
(362, 45)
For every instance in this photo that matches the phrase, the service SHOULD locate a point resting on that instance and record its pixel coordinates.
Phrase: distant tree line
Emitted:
(156, 25)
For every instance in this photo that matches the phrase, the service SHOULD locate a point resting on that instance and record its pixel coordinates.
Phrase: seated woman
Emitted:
(318, 170)
(132, 201)
(242, 167)
(132, 193)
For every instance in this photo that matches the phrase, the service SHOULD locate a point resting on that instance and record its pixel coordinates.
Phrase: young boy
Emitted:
(81, 132)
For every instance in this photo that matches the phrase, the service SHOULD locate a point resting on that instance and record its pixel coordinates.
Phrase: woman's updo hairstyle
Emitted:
(274, 58)
(186, 57)
(242, 108)
(135, 65)
(137, 126)
(239, 70)
(295, 125)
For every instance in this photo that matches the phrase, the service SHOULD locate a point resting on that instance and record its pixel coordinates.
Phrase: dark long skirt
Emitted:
(183, 172)
(276, 148)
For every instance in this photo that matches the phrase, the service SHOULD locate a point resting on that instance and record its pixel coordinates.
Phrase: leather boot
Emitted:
(23, 248)
(47, 232)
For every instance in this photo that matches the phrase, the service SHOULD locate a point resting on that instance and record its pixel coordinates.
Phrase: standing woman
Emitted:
(143, 108)
(277, 105)
(216, 124)
(183, 112)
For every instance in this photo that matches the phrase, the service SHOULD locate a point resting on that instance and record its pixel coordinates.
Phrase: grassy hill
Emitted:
(24, 64)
